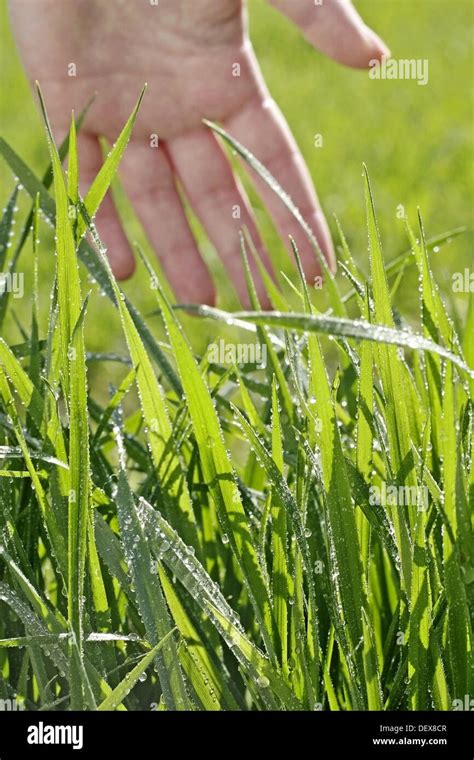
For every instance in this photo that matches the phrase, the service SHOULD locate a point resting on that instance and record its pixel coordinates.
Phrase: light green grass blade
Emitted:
(74, 382)
(120, 693)
(73, 169)
(261, 668)
(364, 435)
(435, 318)
(28, 394)
(69, 291)
(371, 668)
(97, 191)
(80, 494)
(157, 422)
(6, 227)
(468, 343)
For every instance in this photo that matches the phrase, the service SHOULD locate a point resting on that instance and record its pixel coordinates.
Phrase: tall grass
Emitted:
(220, 547)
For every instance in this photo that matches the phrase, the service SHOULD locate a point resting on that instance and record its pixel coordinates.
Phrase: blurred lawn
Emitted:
(416, 141)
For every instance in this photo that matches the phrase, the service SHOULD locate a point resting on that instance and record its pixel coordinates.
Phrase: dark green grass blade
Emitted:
(150, 598)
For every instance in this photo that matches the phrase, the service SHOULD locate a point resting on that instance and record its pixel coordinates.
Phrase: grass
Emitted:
(207, 538)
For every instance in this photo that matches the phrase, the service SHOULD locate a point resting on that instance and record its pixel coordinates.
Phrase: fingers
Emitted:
(218, 200)
(335, 28)
(261, 127)
(107, 221)
(150, 184)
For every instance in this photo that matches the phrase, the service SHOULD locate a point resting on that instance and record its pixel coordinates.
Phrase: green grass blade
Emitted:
(282, 583)
(346, 328)
(120, 693)
(420, 620)
(459, 630)
(150, 598)
(6, 228)
(267, 177)
(97, 191)
(74, 383)
(209, 687)
(156, 418)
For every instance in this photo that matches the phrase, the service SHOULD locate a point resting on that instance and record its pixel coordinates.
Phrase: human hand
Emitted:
(187, 51)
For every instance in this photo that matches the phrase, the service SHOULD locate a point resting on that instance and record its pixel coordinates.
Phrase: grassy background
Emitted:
(415, 140)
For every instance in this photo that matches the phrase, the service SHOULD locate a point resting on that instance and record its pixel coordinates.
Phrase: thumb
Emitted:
(335, 28)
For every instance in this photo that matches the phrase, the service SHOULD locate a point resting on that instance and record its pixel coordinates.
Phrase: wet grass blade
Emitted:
(267, 177)
(100, 185)
(121, 692)
(74, 383)
(6, 228)
(347, 328)
(420, 619)
(459, 629)
(282, 582)
(151, 602)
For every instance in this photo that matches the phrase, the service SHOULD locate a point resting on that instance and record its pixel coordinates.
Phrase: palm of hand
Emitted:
(198, 63)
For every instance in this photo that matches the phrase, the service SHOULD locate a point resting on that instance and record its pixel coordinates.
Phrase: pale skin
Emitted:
(186, 50)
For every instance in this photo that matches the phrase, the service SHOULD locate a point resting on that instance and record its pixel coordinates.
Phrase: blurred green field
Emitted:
(416, 140)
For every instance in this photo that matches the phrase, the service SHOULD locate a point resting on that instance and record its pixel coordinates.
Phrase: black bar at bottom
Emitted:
(68, 734)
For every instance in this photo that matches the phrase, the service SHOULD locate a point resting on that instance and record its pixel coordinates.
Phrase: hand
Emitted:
(187, 51)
